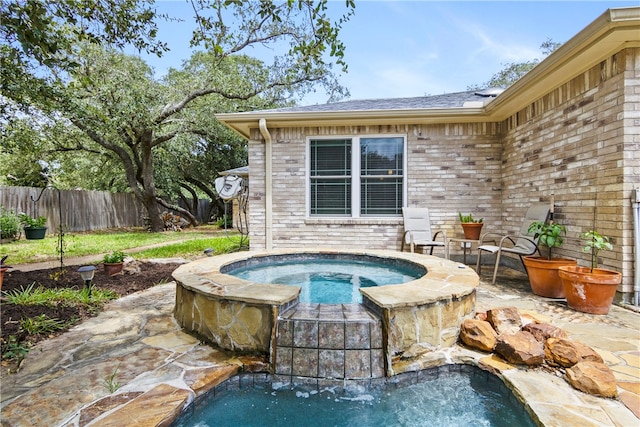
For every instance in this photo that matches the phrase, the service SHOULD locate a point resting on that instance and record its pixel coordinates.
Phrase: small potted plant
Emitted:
(543, 270)
(470, 226)
(3, 267)
(113, 262)
(591, 289)
(34, 227)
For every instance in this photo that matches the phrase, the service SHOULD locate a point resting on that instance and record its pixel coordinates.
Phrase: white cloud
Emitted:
(501, 51)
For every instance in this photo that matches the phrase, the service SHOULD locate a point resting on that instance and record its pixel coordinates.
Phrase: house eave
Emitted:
(611, 32)
(244, 122)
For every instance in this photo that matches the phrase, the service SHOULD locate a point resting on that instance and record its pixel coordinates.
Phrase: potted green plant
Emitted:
(113, 262)
(591, 289)
(543, 270)
(34, 227)
(471, 226)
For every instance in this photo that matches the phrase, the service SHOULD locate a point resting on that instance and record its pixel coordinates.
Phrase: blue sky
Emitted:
(416, 48)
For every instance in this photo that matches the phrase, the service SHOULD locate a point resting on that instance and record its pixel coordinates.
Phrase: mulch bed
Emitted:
(136, 276)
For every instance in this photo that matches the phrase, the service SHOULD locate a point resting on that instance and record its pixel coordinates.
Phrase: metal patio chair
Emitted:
(418, 233)
(522, 245)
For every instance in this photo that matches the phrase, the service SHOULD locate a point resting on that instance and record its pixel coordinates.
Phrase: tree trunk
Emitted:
(216, 206)
(145, 179)
(192, 204)
(153, 211)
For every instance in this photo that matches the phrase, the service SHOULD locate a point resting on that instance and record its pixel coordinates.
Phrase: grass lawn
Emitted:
(187, 243)
(50, 301)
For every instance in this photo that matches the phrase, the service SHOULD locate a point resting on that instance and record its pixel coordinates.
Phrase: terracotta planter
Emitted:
(113, 268)
(587, 291)
(472, 230)
(2, 270)
(543, 275)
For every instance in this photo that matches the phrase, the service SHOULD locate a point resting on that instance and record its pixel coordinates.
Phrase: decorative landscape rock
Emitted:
(478, 334)
(536, 343)
(520, 348)
(566, 353)
(544, 331)
(481, 316)
(505, 320)
(593, 378)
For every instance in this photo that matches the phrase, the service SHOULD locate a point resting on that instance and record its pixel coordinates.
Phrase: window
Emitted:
(368, 185)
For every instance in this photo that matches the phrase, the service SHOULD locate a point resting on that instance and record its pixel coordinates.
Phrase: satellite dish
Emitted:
(228, 187)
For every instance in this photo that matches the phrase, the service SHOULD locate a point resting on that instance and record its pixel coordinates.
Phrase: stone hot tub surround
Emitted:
(239, 315)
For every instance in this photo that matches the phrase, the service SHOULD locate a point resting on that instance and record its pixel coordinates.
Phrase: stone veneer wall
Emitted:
(232, 325)
(435, 325)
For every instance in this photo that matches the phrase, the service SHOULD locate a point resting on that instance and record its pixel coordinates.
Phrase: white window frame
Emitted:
(355, 175)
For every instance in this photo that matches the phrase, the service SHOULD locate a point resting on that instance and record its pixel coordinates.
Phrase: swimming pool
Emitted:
(448, 396)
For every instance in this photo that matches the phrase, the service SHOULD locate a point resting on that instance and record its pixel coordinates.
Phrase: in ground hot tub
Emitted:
(242, 315)
(326, 278)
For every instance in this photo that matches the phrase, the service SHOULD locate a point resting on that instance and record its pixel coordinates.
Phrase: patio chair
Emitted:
(521, 245)
(417, 231)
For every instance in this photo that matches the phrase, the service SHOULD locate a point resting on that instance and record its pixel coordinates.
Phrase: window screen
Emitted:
(378, 182)
(330, 177)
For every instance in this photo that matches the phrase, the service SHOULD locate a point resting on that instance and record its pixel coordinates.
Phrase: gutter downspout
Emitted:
(635, 202)
(268, 183)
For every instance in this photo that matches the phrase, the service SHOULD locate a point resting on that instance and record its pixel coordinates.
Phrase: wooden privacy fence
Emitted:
(77, 210)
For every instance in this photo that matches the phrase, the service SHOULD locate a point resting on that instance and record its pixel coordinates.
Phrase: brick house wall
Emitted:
(451, 168)
(579, 142)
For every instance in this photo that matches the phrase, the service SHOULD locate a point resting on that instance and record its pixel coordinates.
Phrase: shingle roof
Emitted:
(242, 171)
(447, 100)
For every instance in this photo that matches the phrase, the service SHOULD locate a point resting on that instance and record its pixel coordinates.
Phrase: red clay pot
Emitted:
(113, 268)
(2, 270)
(472, 230)
(589, 291)
(543, 275)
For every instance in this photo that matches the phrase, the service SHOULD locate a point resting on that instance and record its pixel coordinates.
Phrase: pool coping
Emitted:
(444, 279)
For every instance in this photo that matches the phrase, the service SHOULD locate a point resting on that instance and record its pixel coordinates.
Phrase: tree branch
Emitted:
(192, 220)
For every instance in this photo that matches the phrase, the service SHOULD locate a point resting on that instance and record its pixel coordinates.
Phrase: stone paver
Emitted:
(160, 369)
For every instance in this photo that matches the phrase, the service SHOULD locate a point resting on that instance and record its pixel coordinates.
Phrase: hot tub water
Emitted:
(327, 280)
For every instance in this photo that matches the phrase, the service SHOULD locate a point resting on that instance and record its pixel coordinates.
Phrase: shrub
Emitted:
(226, 221)
(9, 224)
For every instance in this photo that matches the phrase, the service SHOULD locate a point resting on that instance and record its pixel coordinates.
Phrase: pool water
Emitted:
(454, 399)
(327, 281)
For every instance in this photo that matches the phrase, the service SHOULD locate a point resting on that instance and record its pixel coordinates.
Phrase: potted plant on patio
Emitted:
(591, 289)
(113, 262)
(543, 270)
(34, 227)
(470, 226)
